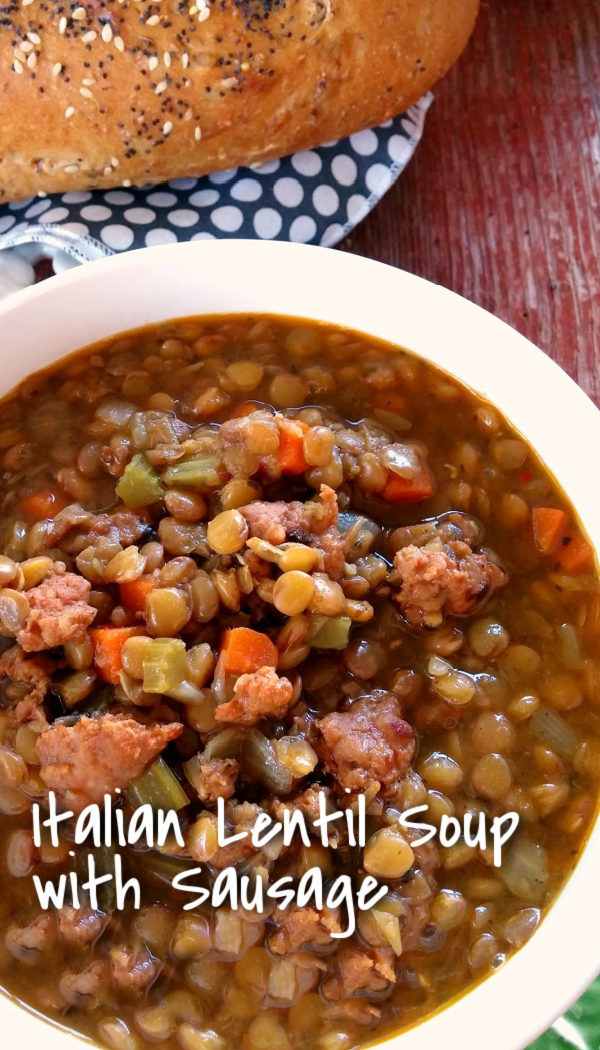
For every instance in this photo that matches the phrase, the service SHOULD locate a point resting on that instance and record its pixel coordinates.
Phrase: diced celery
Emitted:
(140, 484)
(226, 744)
(200, 473)
(163, 868)
(329, 632)
(259, 762)
(165, 665)
(159, 787)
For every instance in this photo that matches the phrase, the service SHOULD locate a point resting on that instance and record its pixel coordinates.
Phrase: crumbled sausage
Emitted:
(134, 969)
(84, 989)
(58, 612)
(31, 671)
(278, 521)
(23, 942)
(256, 695)
(303, 928)
(240, 817)
(81, 926)
(360, 971)
(453, 581)
(97, 756)
(217, 779)
(368, 743)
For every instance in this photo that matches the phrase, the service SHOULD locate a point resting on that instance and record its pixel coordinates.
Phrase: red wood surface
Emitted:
(502, 200)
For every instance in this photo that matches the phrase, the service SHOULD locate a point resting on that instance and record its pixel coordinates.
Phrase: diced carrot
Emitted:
(245, 409)
(108, 643)
(390, 401)
(577, 555)
(409, 490)
(290, 455)
(43, 504)
(247, 651)
(526, 476)
(549, 524)
(134, 594)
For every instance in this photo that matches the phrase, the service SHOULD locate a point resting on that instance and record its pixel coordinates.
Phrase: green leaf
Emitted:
(578, 1028)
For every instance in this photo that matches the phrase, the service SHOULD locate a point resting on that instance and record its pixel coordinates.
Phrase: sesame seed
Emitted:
(69, 111)
(26, 3)
(107, 34)
(119, 43)
(86, 92)
(204, 14)
(193, 10)
(167, 59)
(17, 66)
(56, 69)
(152, 62)
(161, 87)
(42, 193)
(188, 114)
(153, 20)
(18, 55)
(185, 60)
(79, 14)
(71, 168)
(168, 127)
(198, 133)
(89, 82)
(62, 25)
(114, 162)
(107, 171)
(89, 36)
(35, 39)
(127, 182)
(32, 60)
(26, 47)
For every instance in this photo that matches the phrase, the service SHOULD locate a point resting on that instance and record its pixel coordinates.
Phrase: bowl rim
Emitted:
(126, 291)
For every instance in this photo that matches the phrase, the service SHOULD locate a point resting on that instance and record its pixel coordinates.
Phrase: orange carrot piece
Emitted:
(390, 401)
(108, 643)
(409, 490)
(246, 651)
(134, 594)
(577, 555)
(549, 524)
(43, 504)
(245, 409)
(290, 455)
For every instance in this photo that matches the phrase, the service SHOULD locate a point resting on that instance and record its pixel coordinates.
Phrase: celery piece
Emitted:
(140, 484)
(163, 868)
(159, 787)
(329, 632)
(165, 665)
(199, 473)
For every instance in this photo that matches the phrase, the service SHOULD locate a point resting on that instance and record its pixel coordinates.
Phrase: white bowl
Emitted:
(42, 324)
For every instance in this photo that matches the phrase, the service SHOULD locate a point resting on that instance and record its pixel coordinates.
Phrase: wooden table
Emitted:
(502, 200)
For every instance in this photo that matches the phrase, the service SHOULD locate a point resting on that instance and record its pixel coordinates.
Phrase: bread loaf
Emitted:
(101, 93)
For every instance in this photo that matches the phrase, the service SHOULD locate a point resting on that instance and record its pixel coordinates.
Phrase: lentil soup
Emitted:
(255, 559)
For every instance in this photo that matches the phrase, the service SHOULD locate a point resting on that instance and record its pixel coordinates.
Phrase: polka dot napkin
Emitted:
(316, 197)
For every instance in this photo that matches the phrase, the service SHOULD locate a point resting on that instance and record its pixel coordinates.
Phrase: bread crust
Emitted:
(101, 93)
